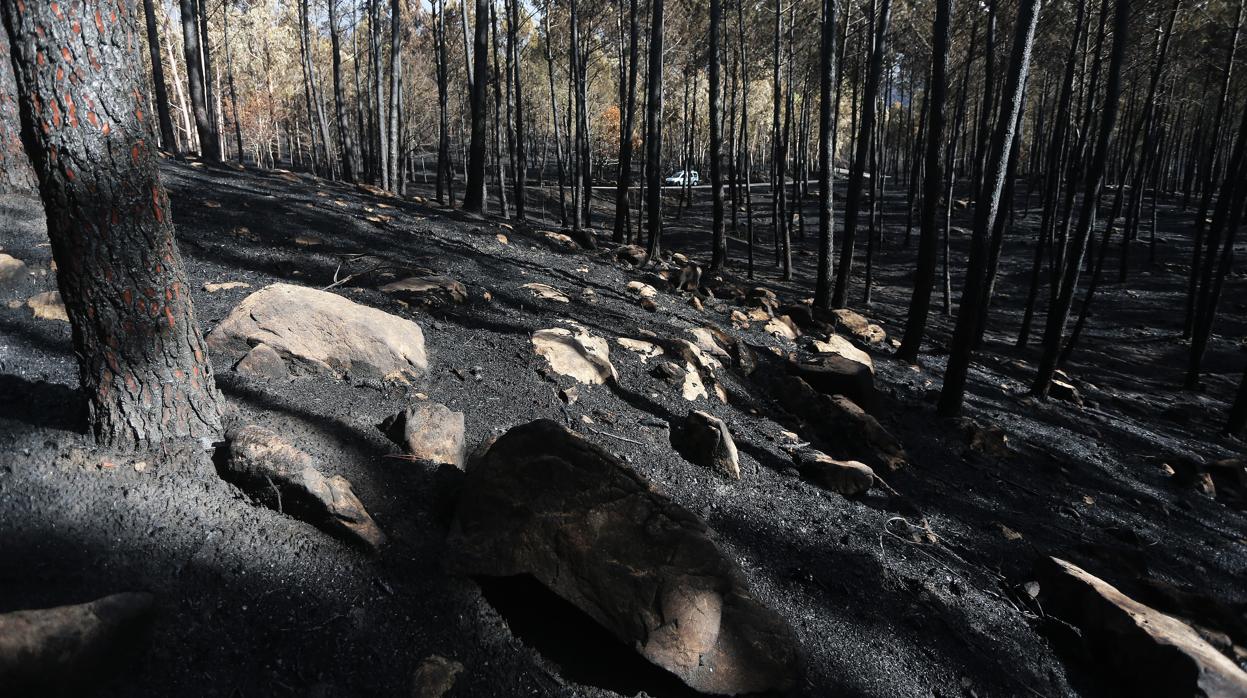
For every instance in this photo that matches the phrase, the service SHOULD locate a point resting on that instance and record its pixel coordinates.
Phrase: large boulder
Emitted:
(323, 331)
(63, 650)
(288, 480)
(704, 439)
(1141, 650)
(428, 432)
(839, 346)
(858, 326)
(545, 502)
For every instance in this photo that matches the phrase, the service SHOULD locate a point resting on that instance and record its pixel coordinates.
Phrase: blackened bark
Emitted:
(986, 209)
(394, 158)
(624, 181)
(1058, 313)
(15, 171)
(853, 196)
(167, 139)
(339, 100)
(718, 257)
(826, 154)
(653, 132)
(443, 177)
(209, 148)
(474, 196)
(142, 361)
(928, 236)
(521, 148)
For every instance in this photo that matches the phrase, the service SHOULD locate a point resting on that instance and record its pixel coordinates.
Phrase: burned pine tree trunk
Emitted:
(853, 196)
(142, 361)
(718, 256)
(339, 100)
(1058, 313)
(986, 209)
(521, 149)
(474, 196)
(443, 178)
(826, 154)
(653, 133)
(394, 158)
(167, 139)
(624, 182)
(932, 186)
(209, 148)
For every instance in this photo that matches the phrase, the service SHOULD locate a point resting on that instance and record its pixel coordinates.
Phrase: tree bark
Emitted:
(624, 181)
(167, 139)
(474, 196)
(339, 99)
(853, 196)
(928, 236)
(521, 149)
(826, 154)
(986, 209)
(1058, 313)
(653, 132)
(209, 149)
(142, 362)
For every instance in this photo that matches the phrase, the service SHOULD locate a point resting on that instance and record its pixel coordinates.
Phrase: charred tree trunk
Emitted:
(853, 196)
(167, 139)
(209, 149)
(826, 154)
(933, 183)
(653, 132)
(986, 209)
(1058, 314)
(624, 181)
(339, 100)
(718, 256)
(142, 361)
(444, 175)
(15, 170)
(521, 148)
(394, 160)
(474, 196)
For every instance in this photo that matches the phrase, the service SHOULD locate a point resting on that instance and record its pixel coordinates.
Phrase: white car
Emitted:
(681, 178)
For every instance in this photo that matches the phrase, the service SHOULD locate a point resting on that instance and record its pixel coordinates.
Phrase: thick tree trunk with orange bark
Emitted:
(142, 361)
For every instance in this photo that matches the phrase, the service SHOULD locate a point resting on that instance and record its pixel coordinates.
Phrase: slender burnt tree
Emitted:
(718, 256)
(826, 153)
(932, 186)
(521, 149)
(474, 196)
(15, 171)
(1058, 313)
(167, 139)
(339, 100)
(653, 132)
(628, 123)
(986, 210)
(853, 196)
(209, 147)
(142, 361)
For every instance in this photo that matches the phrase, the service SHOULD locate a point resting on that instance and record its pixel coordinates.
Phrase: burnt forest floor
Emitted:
(255, 603)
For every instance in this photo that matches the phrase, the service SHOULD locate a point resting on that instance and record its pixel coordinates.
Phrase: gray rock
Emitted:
(287, 479)
(545, 502)
(428, 432)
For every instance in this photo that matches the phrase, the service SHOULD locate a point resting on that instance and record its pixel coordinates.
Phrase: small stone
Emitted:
(849, 478)
(649, 304)
(578, 354)
(547, 292)
(435, 677)
(428, 432)
(705, 440)
(211, 287)
(262, 362)
(11, 269)
(48, 306)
